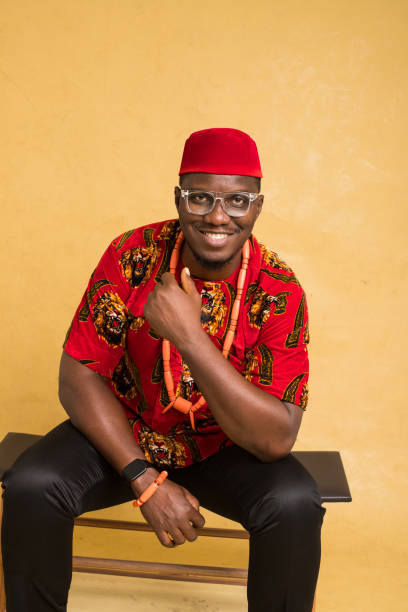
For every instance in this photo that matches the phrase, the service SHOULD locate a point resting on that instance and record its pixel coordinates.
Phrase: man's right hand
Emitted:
(172, 511)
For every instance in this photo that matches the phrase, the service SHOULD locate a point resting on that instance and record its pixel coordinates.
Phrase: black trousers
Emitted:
(63, 475)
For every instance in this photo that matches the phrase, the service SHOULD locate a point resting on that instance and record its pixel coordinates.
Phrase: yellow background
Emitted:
(97, 98)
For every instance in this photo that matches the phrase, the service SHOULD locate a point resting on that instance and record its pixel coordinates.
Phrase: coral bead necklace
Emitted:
(180, 403)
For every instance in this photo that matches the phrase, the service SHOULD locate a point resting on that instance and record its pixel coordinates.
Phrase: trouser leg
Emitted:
(55, 480)
(63, 476)
(280, 506)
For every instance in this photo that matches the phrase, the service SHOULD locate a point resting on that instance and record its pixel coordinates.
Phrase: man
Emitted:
(202, 371)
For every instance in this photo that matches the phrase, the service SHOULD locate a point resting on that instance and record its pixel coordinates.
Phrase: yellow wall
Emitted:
(97, 98)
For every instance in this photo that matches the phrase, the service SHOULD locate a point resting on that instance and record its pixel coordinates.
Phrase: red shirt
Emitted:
(110, 335)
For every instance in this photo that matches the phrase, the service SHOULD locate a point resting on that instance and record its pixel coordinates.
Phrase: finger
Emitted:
(189, 531)
(167, 279)
(177, 536)
(197, 519)
(191, 499)
(187, 282)
(165, 539)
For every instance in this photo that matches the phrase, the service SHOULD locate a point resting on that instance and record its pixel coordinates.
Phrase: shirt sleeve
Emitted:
(279, 362)
(97, 335)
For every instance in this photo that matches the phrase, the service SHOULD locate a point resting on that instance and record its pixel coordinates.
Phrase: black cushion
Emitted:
(326, 467)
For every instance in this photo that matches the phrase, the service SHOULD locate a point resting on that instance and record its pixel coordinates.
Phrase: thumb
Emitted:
(187, 282)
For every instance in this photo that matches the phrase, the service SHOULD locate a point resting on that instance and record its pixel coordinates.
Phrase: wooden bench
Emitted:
(325, 466)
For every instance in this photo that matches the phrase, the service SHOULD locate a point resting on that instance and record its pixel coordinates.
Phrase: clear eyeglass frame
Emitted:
(219, 195)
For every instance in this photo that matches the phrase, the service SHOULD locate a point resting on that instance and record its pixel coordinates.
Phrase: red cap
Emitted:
(221, 151)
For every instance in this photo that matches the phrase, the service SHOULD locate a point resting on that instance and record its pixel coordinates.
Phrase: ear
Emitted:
(259, 204)
(177, 194)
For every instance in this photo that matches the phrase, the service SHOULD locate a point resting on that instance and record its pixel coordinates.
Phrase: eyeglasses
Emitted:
(234, 203)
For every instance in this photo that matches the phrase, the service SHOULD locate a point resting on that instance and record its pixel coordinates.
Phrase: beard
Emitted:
(210, 263)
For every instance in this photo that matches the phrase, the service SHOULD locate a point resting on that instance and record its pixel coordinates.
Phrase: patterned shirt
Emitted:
(110, 336)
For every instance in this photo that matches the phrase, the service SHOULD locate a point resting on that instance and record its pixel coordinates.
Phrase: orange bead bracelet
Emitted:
(151, 489)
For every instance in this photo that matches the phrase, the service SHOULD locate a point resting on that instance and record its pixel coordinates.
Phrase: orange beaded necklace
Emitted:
(180, 403)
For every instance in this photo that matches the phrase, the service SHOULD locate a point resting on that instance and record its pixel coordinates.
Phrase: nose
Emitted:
(217, 216)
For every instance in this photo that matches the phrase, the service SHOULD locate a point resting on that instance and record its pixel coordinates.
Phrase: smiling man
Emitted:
(184, 374)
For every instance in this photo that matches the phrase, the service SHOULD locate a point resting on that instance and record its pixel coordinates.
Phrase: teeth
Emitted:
(216, 236)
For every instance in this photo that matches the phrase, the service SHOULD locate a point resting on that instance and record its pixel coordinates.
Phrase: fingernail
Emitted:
(187, 271)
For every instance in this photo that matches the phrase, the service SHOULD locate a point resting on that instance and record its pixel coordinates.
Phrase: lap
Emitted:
(234, 482)
(230, 483)
(67, 468)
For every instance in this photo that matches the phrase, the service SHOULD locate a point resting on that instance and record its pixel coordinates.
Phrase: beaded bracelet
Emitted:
(151, 489)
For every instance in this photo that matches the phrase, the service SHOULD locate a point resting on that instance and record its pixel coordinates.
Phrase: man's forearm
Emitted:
(95, 411)
(252, 418)
(172, 512)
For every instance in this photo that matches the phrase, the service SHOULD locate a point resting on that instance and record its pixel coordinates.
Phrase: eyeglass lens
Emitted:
(202, 202)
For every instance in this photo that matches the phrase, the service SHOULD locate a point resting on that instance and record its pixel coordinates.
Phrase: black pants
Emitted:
(63, 475)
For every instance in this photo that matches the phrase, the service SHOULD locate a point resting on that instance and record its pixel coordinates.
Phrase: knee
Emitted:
(32, 489)
(302, 503)
(291, 505)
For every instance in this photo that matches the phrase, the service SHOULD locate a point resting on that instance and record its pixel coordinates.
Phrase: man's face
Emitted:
(208, 256)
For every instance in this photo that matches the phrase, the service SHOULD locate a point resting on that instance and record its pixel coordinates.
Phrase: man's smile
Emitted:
(215, 238)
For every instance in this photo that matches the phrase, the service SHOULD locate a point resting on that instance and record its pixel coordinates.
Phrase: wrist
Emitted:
(192, 342)
(140, 484)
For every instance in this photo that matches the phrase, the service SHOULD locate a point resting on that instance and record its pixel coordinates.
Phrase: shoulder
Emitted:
(145, 236)
(143, 252)
(275, 274)
(271, 259)
(275, 297)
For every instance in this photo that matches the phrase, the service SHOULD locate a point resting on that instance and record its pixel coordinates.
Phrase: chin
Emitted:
(211, 264)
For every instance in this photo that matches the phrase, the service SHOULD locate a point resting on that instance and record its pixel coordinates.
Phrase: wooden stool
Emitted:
(325, 466)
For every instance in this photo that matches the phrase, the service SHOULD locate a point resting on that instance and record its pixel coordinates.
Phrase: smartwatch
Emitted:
(135, 469)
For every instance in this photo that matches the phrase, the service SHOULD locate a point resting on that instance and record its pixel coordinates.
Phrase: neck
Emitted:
(207, 270)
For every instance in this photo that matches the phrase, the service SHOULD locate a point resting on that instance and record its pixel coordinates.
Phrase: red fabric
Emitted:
(221, 151)
(110, 336)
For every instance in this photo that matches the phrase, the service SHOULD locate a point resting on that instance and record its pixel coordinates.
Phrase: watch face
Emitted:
(135, 469)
